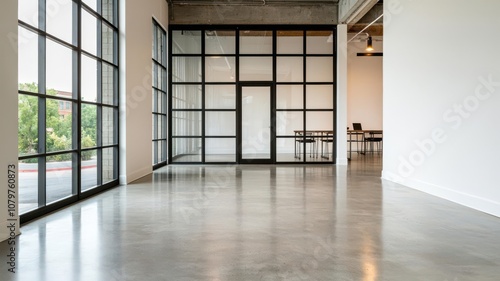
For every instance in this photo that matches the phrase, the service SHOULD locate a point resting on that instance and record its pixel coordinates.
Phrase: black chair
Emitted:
(360, 137)
(326, 138)
(300, 139)
(374, 138)
(369, 138)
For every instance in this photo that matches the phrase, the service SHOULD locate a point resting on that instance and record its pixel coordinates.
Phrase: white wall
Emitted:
(441, 99)
(8, 109)
(135, 88)
(364, 86)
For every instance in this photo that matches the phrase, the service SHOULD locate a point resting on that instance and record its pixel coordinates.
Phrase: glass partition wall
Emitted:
(252, 94)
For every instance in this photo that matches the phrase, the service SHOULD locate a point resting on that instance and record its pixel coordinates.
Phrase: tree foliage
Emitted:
(59, 127)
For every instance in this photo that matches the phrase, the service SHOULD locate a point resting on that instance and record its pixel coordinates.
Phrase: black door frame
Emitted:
(239, 120)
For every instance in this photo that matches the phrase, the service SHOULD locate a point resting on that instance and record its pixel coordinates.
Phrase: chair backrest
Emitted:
(356, 126)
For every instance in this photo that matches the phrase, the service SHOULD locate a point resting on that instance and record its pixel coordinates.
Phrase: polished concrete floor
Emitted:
(284, 222)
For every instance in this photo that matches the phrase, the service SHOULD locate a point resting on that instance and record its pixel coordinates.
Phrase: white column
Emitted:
(8, 115)
(341, 94)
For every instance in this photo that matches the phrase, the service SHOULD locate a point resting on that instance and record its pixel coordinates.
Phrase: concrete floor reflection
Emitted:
(247, 222)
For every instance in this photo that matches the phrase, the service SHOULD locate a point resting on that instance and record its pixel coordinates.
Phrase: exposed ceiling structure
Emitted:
(279, 12)
(373, 28)
(253, 2)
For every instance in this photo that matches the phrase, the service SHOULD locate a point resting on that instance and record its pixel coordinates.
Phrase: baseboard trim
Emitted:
(126, 179)
(5, 233)
(465, 199)
(341, 161)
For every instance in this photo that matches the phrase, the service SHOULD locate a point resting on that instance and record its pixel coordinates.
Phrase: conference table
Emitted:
(360, 137)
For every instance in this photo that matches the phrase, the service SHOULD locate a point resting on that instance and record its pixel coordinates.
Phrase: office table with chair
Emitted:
(325, 137)
(364, 137)
(313, 137)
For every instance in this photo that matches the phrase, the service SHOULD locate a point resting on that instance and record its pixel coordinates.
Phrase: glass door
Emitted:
(256, 126)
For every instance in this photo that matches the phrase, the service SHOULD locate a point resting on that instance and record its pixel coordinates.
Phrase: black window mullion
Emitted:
(99, 83)
(42, 135)
(41, 105)
(99, 7)
(169, 97)
(77, 125)
(99, 167)
(75, 25)
(273, 99)
(203, 74)
(99, 38)
(304, 94)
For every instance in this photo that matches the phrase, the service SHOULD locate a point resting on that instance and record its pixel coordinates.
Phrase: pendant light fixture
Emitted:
(369, 46)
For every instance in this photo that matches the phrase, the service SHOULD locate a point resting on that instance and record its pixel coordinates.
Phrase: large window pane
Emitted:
(186, 69)
(186, 42)
(160, 126)
(161, 75)
(289, 69)
(158, 49)
(287, 150)
(28, 60)
(220, 69)
(220, 150)
(220, 97)
(162, 102)
(186, 149)
(256, 42)
(290, 42)
(109, 74)
(28, 125)
(220, 42)
(289, 97)
(220, 123)
(319, 42)
(60, 19)
(319, 120)
(89, 126)
(319, 96)
(28, 11)
(89, 79)
(89, 33)
(108, 43)
(108, 126)
(186, 123)
(108, 164)
(89, 169)
(58, 125)
(256, 68)
(108, 11)
(287, 122)
(161, 152)
(59, 175)
(28, 185)
(319, 69)
(186, 96)
(91, 3)
(59, 68)
(158, 102)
